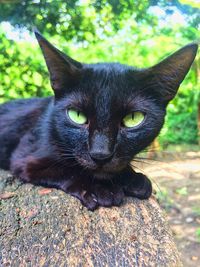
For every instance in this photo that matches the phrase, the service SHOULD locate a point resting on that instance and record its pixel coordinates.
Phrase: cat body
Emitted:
(83, 139)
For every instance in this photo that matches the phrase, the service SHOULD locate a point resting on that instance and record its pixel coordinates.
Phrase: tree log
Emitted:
(46, 227)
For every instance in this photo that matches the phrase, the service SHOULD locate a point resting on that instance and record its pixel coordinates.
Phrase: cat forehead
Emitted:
(112, 69)
(108, 66)
(103, 84)
(110, 77)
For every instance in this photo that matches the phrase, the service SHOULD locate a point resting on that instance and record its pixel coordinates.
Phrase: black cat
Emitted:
(83, 139)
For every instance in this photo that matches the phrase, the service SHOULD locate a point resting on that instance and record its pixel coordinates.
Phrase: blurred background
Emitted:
(138, 33)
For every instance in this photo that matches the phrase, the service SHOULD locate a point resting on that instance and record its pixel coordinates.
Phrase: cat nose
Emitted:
(101, 157)
(101, 150)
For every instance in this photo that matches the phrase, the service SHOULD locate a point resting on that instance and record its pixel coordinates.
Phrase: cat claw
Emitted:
(108, 196)
(89, 201)
(101, 195)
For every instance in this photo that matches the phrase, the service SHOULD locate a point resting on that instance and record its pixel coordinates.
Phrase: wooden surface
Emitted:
(40, 227)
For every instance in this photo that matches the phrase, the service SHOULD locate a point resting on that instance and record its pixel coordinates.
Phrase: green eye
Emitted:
(133, 119)
(76, 116)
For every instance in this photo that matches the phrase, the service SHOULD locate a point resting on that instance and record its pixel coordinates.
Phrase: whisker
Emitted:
(135, 167)
(159, 189)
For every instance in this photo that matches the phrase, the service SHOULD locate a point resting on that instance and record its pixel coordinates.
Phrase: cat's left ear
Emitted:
(63, 70)
(169, 73)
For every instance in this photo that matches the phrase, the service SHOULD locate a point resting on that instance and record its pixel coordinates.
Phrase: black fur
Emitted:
(41, 145)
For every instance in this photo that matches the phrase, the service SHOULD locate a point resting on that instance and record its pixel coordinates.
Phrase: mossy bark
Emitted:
(50, 228)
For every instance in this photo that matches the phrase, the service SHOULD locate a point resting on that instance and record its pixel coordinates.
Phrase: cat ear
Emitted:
(63, 70)
(169, 73)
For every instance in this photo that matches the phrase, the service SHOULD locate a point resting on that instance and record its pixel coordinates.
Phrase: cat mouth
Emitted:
(102, 171)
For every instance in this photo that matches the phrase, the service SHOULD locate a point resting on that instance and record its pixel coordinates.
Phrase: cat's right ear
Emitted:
(63, 70)
(169, 73)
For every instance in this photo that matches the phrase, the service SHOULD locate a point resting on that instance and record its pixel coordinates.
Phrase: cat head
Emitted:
(105, 113)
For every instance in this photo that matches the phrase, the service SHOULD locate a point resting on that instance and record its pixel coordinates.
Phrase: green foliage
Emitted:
(22, 71)
(90, 19)
(198, 234)
(196, 210)
(182, 191)
(76, 19)
(197, 213)
(162, 195)
(181, 122)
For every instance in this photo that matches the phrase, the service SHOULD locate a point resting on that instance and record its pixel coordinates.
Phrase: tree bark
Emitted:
(41, 227)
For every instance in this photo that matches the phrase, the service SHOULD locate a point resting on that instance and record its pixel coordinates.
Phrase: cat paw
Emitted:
(108, 195)
(89, 200)
(99, 195)
(138, 186)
